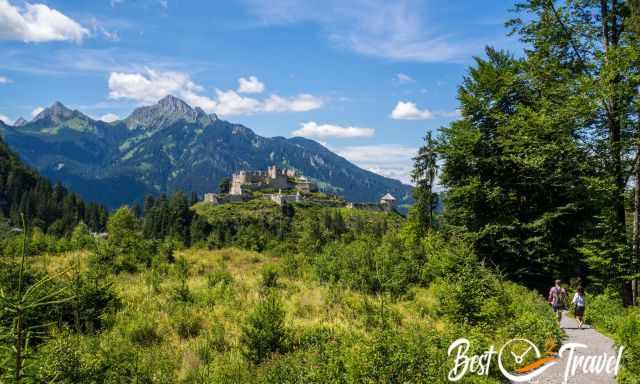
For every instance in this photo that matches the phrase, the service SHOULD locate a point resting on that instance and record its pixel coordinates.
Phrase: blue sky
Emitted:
(367, 78)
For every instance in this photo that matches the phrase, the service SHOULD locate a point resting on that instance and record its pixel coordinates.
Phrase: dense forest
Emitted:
(51, 208)
(540, 180)
(541, 170)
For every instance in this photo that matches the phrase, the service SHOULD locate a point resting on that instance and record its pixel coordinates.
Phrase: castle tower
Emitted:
(272, 171)
(388, 202)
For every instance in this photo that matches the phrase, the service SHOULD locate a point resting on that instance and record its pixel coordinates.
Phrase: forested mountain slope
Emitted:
(23, 190)
(170, 146)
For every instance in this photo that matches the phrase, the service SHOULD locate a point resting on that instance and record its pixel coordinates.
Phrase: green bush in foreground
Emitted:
(628, 335)
(265, 332)
(606, 313)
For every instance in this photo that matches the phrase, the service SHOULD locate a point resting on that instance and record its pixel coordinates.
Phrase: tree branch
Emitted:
(566, 30)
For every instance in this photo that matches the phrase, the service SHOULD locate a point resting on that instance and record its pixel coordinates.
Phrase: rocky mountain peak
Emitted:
(166, 110)
(172, 104)
(57, 113)
(20, 122)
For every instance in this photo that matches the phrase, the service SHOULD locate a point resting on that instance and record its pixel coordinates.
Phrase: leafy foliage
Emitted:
(514, 174)
(265, 332)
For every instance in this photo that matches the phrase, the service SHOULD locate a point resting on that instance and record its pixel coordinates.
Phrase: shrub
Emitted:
(94, 297)
(167, 249)
(153, 279)
(269, 277)
(187, 324)
(63, 359)
(293, 265)
(143, 331)
(607, 313)
(210, 343)
(230, 367)
(604, 311)
(444, 258)
(52, 295)
(264, 332)
(529, 316)
(628, 335)
(125, 249)
(473, 295)
(417, 356)
(182, 292)
(81, 237)
(219, 276)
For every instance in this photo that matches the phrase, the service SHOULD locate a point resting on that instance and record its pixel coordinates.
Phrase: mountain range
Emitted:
(171, 146)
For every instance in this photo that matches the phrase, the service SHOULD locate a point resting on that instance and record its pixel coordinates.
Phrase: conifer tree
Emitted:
(423, 175)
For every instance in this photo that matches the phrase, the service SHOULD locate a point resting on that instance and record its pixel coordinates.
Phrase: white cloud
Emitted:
(36, 111)
(231, 103)
(4, 80)
(397, 30)
(109, 117)
(110, 35)
(5, 119)
(250, 85)
(152, 85)
(402, 78)
(390, 160)
(300, 103)
(407, 110)
(98, 27)
(312, 129)
(382, 152)
(37, 23)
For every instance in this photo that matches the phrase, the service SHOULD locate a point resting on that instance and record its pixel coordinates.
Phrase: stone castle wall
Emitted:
(273, 178)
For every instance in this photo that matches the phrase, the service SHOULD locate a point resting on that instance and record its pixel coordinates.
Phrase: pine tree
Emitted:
(423, 175)
(225, 185)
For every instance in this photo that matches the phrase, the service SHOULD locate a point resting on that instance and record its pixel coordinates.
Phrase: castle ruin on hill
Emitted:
(284, 185)
(274, 179)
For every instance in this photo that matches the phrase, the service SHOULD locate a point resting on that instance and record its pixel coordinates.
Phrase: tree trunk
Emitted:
(636, 228)
(610, 38)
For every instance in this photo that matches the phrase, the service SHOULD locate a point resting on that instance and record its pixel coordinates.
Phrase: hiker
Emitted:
(557, 296)
(578, 301)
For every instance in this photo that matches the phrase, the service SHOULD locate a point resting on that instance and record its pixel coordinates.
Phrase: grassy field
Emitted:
(160, 334)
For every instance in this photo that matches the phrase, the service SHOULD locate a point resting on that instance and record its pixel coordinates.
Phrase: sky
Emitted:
(366, 78)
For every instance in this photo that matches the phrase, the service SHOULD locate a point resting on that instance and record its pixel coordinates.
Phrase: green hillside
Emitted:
(50, 207)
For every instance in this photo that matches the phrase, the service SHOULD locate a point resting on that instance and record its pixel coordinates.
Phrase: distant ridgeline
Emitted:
(52, 208)
(171, 146)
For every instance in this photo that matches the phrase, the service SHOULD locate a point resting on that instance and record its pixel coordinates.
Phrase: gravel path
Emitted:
(597, 344)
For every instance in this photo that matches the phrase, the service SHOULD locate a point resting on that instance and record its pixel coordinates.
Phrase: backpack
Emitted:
(559, 296)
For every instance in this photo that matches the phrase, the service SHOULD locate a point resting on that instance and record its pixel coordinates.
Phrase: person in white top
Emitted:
(578, 301)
